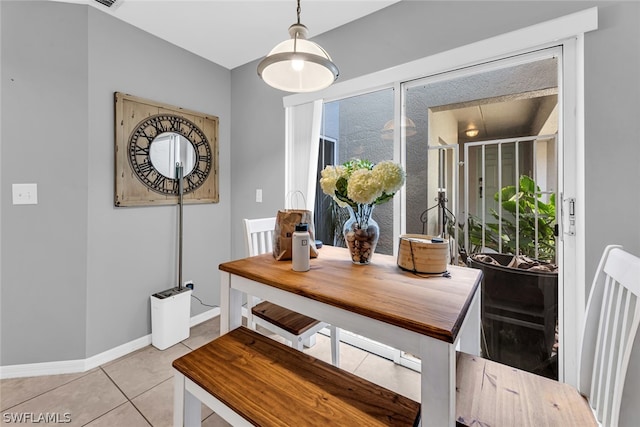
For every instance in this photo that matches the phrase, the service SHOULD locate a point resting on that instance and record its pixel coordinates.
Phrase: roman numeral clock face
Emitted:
(150, 139)
(159, 142)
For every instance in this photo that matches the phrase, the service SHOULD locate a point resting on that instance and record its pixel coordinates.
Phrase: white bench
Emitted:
(249, 379)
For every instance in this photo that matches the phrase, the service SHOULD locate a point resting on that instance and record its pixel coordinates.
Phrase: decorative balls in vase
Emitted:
(360, 185)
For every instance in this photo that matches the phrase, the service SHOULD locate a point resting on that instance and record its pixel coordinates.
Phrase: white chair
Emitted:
(488, 393)
(296, 328)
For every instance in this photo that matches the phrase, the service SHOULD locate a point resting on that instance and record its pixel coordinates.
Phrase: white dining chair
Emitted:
(296, 328)
(489, 393)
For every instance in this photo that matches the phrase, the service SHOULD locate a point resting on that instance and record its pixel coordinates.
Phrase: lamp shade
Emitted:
(405, 123)
(298, 65)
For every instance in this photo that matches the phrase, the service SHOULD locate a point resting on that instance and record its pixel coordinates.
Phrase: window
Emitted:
(357, 127)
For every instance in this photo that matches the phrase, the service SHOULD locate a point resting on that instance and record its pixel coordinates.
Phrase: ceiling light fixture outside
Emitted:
(471, 133)
(297, 64)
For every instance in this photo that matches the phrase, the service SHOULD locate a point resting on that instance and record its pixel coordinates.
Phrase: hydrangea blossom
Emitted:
(360, 185)
(364, 187)
(390, 175)
(330, 176)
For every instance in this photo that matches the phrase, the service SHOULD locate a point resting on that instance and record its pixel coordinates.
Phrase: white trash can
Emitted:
(170, 317)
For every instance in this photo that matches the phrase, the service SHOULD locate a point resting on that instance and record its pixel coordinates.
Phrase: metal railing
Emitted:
(532, 158)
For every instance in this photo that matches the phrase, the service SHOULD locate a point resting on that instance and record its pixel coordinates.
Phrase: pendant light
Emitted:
(406, 124)
(297, 64)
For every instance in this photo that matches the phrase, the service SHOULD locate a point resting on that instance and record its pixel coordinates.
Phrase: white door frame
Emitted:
(566, 32)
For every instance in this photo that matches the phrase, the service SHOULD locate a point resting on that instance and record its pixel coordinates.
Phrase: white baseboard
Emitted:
(83, 365)
(203, 317)
(39, 369)
(116, 352)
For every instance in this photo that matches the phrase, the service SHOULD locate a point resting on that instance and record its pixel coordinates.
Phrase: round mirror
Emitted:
(170, 148)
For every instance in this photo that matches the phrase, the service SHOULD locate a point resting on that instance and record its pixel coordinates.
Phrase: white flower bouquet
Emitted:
(361, 185)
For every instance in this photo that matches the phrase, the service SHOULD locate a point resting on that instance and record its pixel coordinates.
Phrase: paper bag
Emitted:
(286, 221)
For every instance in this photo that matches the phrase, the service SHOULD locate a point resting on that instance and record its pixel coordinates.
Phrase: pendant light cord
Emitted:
(295, 39)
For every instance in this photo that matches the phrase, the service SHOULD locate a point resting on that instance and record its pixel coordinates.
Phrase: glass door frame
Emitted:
(566, 32)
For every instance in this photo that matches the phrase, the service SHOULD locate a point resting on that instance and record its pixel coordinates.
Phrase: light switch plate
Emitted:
(259, 195)
(25, 194)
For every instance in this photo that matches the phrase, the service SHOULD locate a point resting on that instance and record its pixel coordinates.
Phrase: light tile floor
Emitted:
(137, 389)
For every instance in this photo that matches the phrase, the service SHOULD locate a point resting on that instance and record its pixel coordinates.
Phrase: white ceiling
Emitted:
(234, 32)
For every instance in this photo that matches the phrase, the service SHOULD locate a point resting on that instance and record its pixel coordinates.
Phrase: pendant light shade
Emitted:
(297, 64)
(407, 125)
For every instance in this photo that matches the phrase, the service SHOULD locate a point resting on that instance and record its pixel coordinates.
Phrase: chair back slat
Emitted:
(611, 330)
(259, 235)
(611, 323)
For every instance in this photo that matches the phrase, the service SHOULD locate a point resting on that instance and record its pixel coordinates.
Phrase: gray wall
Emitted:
(77, 272)
(132, 252)
(414, 29)
(45, 128)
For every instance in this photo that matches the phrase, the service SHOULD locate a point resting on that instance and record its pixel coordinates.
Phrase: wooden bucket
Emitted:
(419, 254)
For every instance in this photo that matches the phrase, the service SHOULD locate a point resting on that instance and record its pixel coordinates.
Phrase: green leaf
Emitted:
(527, 185)
(527, 203)
(509, 206)
(507, 193)
(383, 199)
(341, 187)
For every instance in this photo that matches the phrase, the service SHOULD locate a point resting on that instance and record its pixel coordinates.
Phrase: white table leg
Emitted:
(251, 302)
(469, 337)
(438, 383)
(178, 399)
(192, 410)
(230, 305)
(187, 409)
(335, 345)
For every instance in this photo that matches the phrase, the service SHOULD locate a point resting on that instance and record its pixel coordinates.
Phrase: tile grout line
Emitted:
(47, 391)
(130, 400)
(126, 397)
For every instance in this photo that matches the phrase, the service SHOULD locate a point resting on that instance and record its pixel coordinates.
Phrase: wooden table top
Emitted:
(430, 305)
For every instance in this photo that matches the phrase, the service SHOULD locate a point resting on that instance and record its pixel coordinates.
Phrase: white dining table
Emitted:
(429, 316)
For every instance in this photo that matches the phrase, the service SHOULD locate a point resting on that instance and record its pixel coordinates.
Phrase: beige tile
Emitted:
(394, 377)
(157, 405)
(83, 399)
(272, 335)
(203, 333)
(124, 415)
(144, 369)
(146, 377)
(215, 421)
(350, 357)
(17, 390)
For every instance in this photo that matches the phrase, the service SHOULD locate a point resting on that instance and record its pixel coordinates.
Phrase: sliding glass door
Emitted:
(483, 148)
(482, 172)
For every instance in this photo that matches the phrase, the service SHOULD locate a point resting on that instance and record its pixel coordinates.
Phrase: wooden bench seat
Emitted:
(269, 384)
(291, 321)
(492, 394)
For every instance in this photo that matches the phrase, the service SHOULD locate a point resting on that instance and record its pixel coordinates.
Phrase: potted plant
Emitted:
(536, 220)
(519, 285)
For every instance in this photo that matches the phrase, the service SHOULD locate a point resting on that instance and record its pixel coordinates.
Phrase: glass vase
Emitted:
(361, 234)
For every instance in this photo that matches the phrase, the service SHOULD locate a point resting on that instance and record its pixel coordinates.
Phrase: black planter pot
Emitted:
(518, 300)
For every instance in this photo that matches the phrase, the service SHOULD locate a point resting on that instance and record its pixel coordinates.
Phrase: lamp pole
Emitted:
(179, 172)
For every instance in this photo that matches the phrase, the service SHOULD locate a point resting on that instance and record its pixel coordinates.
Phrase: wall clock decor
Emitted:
(150, 139)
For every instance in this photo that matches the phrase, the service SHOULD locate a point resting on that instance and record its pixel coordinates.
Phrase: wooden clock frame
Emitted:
(137, 183)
